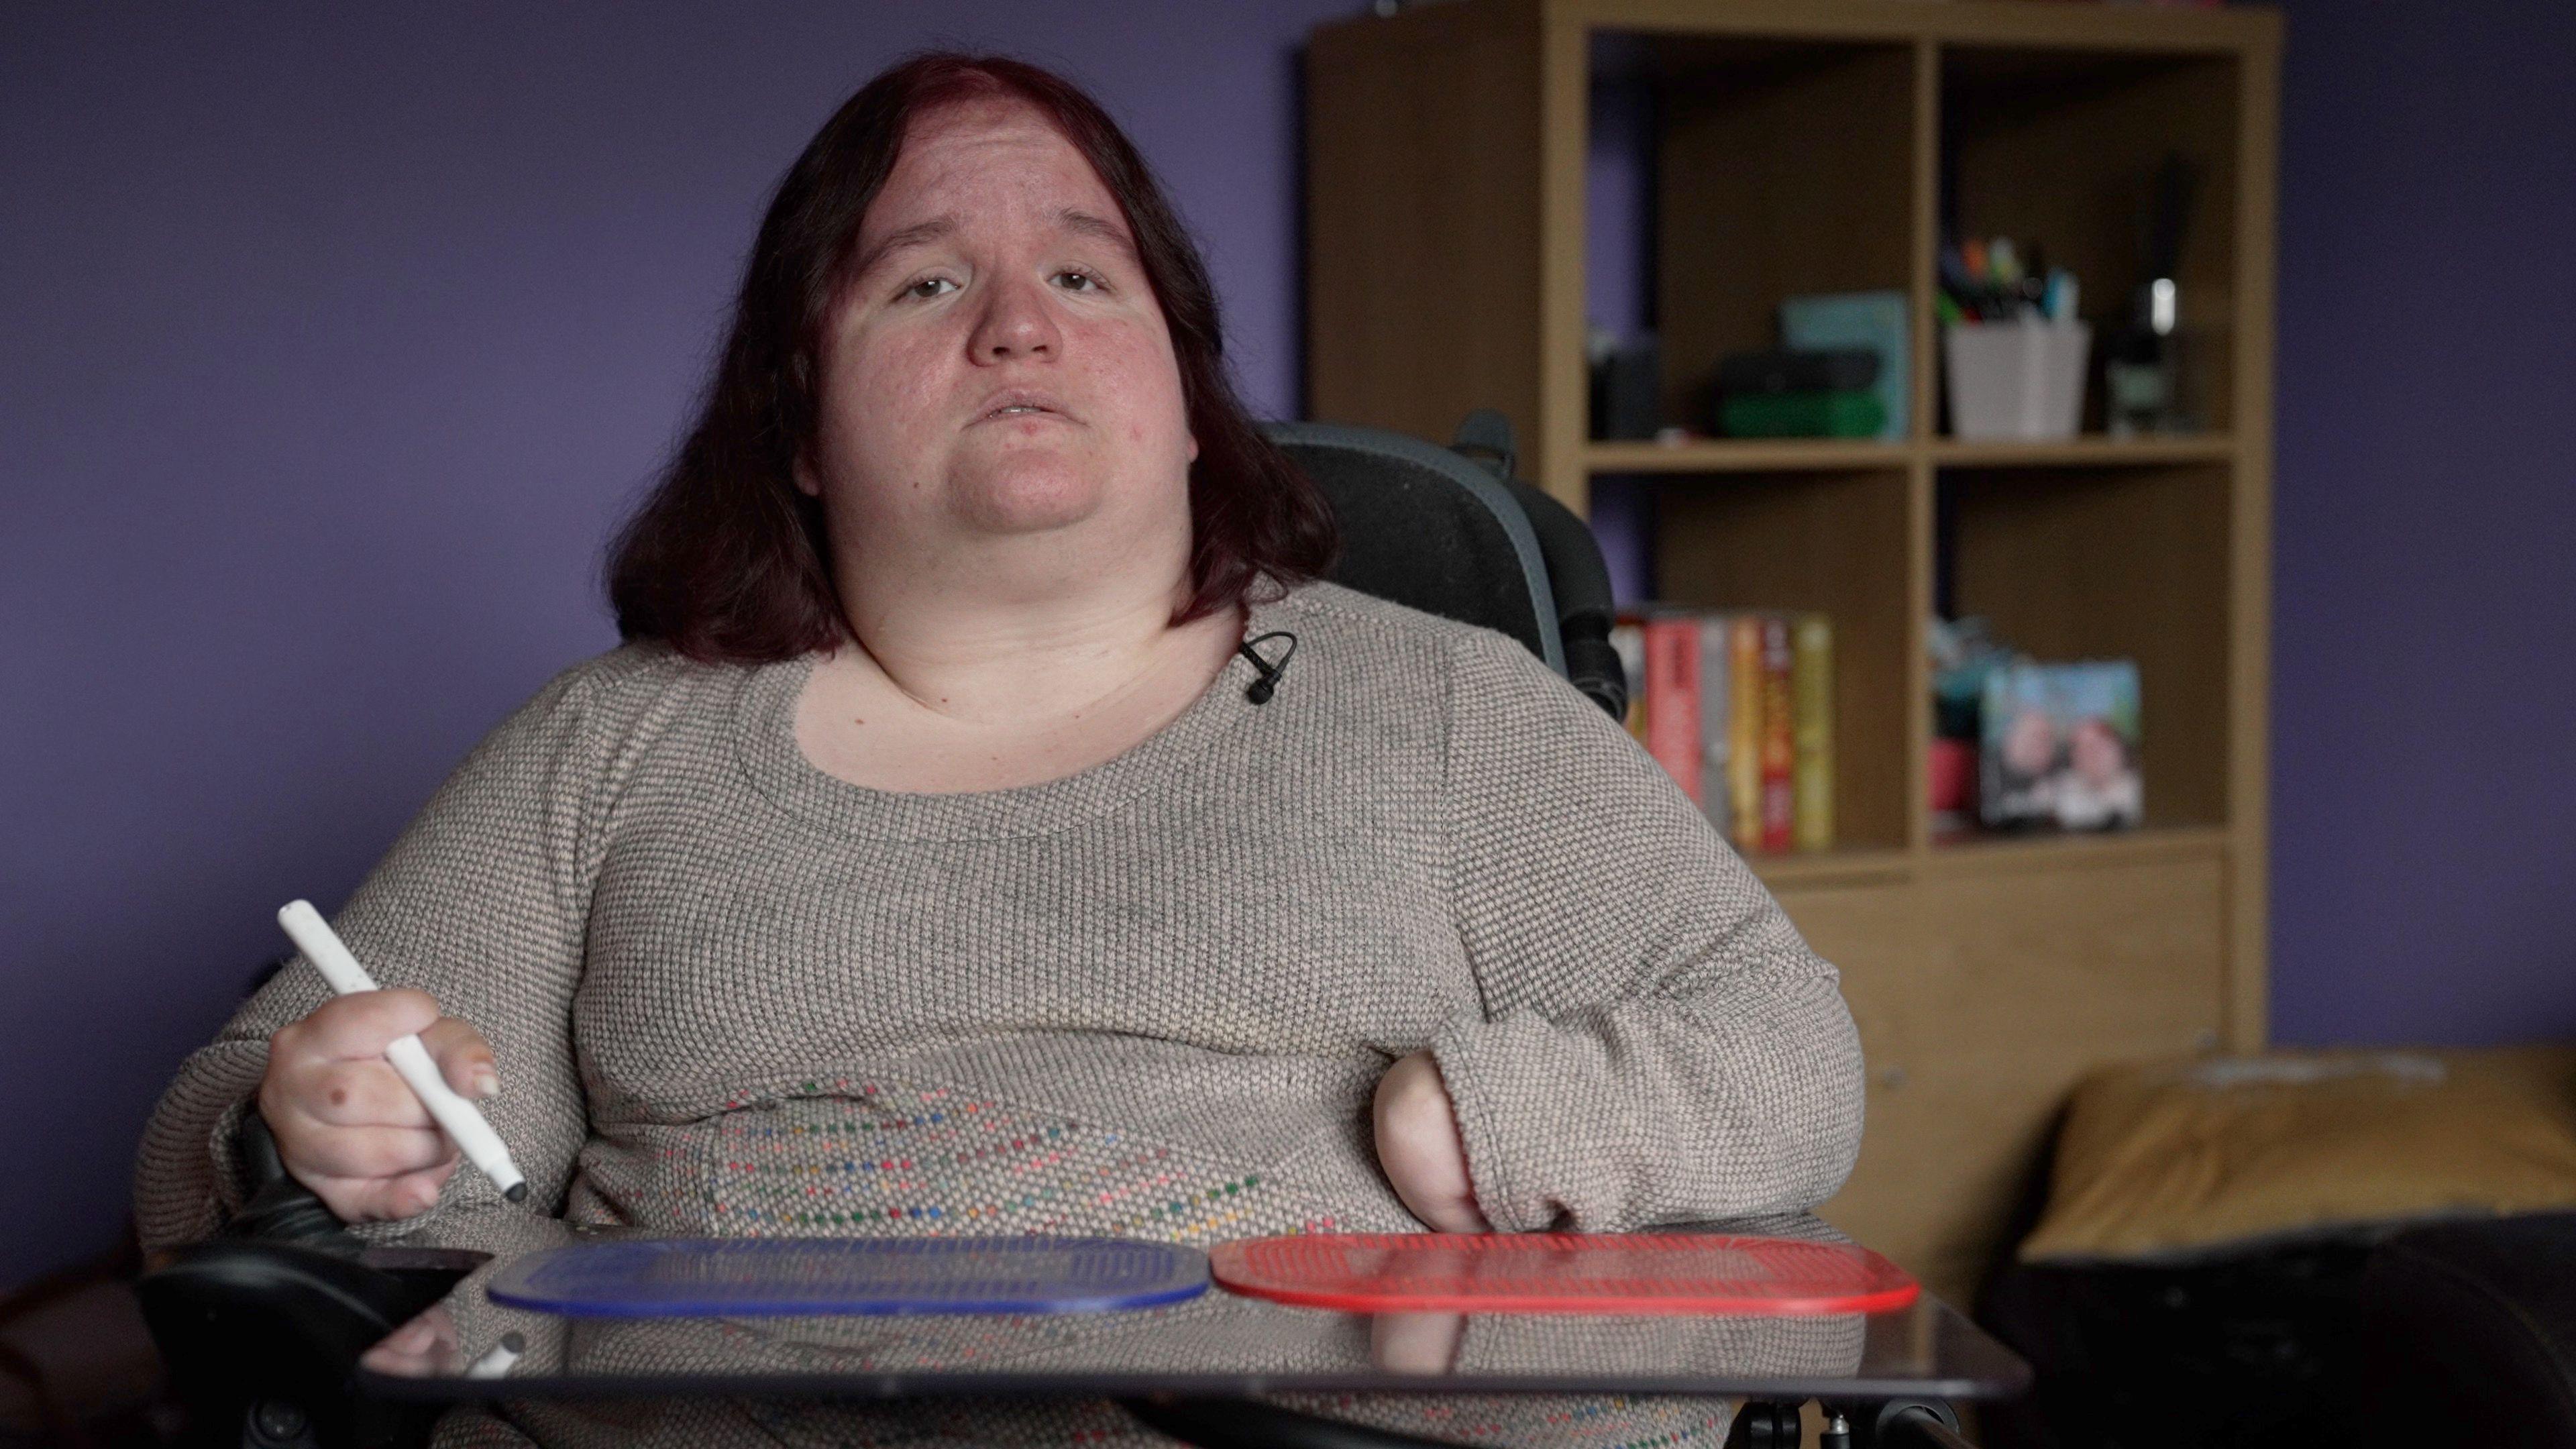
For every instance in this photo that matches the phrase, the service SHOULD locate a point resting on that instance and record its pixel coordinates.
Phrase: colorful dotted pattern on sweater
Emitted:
(872, 1158)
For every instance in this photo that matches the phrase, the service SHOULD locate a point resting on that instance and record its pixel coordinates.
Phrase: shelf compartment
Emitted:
(2126, 563)
(1830, 542)
(2061, 148)
(1782, 168)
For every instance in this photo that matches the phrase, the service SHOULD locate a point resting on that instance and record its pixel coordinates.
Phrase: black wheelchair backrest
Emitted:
(1433, 529)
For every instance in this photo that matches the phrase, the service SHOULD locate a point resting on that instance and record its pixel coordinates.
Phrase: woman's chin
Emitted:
(1026, 502)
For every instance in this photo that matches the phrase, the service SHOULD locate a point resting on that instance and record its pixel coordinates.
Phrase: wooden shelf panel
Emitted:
(1789, 455)
(2086, 452)
(1982, 997)
(1857, 866)
(1425, 260)
(1978, 852)
(1975, 852)
(1744, 455)
(2016, 22)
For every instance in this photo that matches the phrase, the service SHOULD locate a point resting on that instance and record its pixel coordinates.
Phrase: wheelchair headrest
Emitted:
(1430, 529)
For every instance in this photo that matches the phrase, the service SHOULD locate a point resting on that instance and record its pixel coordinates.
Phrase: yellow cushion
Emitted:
(2173, 1158)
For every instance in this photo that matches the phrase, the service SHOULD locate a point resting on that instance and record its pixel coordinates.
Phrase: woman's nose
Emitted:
(1016, 324)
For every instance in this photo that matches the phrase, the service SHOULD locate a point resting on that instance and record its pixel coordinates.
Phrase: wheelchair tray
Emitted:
(802, 1277)
(799, 1337)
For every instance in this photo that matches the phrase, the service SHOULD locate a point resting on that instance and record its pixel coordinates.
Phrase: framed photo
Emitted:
(2061, 747)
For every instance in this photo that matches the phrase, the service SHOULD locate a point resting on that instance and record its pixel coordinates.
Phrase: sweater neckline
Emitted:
(765, 736)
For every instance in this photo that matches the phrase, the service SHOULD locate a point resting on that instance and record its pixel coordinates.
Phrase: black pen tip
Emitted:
(516, 1192)
(515, 1341)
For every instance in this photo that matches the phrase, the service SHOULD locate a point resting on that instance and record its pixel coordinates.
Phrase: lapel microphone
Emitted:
(1268, 684)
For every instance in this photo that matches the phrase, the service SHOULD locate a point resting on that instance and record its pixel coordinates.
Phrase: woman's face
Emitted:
(996, 364)
(2030, 743)
(2098, 753)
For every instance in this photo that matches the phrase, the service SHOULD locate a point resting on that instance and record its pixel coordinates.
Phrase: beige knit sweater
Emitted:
(731, 994)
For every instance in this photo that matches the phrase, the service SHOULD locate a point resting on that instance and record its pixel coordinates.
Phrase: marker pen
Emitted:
(473, 1136)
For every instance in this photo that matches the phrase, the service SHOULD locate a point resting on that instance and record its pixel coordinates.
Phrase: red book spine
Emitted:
(1779, 735)
(1672, 699)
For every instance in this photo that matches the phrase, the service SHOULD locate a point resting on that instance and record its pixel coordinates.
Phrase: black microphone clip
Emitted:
(1268, 684)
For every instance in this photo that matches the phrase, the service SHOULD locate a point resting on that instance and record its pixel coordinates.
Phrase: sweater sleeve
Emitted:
(480, 903)
(1657, 1043)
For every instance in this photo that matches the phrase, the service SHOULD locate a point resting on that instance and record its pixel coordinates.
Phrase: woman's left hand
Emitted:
(1419, 1146)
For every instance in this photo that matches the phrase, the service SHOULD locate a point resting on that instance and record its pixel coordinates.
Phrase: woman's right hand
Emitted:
(346, 1125)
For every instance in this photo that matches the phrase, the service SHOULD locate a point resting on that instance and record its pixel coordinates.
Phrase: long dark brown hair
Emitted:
(727, 559)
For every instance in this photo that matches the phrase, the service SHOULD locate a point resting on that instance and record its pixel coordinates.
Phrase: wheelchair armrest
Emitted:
(261, 1337)
(280, 1209)
(264, 1322)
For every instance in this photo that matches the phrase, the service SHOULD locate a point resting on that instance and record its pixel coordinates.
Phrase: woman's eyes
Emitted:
(1072, 279)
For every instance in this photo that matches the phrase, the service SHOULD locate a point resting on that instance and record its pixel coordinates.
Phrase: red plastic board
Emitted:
(1562, 1273)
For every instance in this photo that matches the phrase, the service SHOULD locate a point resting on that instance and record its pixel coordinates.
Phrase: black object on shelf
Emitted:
(1791, 369)
(1626, 380)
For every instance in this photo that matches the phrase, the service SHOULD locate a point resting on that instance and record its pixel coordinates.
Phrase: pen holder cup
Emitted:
(2021, 379)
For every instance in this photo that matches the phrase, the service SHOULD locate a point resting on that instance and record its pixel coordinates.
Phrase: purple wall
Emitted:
(1618, 226)
(335, 342)
(2424, 641)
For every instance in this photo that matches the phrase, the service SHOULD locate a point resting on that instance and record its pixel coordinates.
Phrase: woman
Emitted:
(924, 863)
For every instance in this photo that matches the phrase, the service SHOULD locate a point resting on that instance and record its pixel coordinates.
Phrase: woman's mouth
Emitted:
(1021, 403)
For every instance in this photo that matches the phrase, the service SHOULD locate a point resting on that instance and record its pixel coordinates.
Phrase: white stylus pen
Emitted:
(473, 1136)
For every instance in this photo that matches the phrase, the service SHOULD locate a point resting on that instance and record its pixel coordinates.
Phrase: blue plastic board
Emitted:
(784, 1277)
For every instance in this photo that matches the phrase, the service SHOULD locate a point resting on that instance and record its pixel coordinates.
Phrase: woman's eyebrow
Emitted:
(1072, 219)
(894, 241)
(1076, 220)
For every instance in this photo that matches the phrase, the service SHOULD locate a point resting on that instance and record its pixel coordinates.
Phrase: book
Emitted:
(1779, 740)
(1672, 697)
(1851, 414)
(1789, 369)
(1812, 682)
(1716, 722)
(1738, 708)
(1744, 730)
(1875, 320)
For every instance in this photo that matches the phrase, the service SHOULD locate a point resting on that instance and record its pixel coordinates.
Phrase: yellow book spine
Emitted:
(1744, 736)
(1814, 684)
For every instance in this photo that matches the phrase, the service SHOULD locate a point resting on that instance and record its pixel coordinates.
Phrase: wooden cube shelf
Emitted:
(1803, 146)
